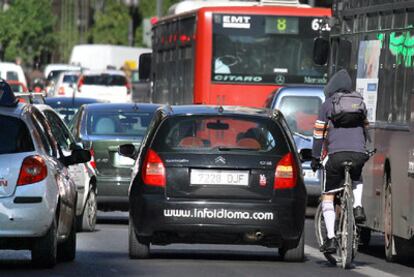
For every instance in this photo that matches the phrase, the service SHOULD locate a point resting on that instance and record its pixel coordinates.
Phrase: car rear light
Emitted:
(285, 174)
(80, 83)
(92, 161)
(61, 91)
(153, 171)
(33, 170)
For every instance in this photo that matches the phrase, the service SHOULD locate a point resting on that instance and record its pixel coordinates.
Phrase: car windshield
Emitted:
(300, 112)
(14, 136)
(219, 133)
(70, 79)
(104, 80)
(118, 123)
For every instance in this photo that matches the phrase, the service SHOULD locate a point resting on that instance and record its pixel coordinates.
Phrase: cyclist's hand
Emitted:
(315, 164)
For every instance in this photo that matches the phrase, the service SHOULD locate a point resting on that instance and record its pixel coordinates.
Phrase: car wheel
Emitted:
(89, 213)
(44, 249)
(296, 254)
(137, 250)
(67, 249)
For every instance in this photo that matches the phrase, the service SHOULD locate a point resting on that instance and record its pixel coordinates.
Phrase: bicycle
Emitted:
(347, 232)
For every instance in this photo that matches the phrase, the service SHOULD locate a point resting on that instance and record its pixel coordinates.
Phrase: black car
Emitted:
(207, 174)
(68, 106)
(102, 128)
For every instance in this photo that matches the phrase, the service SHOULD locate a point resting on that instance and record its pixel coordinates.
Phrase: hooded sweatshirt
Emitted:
(336, 139)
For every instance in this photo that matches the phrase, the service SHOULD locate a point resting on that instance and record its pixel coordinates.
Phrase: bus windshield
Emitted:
(265, 49)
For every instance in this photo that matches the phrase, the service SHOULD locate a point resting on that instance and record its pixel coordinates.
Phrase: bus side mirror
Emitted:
(144, 66)
(320, 51)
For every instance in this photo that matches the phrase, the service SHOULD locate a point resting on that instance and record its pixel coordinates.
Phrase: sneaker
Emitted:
(359, 214)
(329, 246)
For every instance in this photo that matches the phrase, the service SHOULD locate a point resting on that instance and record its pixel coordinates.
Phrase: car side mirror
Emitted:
(305, 154)
(127, 150)
(78, 156)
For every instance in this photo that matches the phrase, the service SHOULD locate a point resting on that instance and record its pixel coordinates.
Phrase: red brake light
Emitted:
(153, 171)
(285, 174)
(92, 161)
(33, 170)
(61, 91)
(80, 83)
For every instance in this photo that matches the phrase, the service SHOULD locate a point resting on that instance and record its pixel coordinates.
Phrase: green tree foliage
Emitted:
(26, 29)
(111, 24)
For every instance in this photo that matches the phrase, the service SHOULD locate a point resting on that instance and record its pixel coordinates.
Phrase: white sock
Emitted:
(329, 216)
(358, 195)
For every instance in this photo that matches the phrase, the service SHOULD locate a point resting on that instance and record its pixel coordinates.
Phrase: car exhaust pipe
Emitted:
(253, 236)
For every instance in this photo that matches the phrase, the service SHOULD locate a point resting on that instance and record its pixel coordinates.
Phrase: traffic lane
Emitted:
(105, 253)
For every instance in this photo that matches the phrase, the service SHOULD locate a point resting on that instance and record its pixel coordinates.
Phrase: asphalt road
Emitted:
(105, 253)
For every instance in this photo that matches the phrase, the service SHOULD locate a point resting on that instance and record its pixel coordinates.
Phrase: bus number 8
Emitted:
(281, 24)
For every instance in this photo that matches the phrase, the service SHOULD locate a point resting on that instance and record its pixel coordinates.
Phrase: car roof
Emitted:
(218, 110)
(142, 107)
(15, 111)
(302, 91)
(68, 101)
(106, 71)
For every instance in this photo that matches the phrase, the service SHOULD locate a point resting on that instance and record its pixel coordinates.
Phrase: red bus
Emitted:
(235, 55)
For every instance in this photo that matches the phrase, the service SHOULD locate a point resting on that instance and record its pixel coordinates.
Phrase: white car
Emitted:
(37, 195)
(110, 85)
(12, 71)
(83, 175)
(66, 84)
(52, 72)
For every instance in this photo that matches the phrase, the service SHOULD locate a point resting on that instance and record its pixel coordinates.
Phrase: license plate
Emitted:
(122, 161)
(310, 175)
(219, 177)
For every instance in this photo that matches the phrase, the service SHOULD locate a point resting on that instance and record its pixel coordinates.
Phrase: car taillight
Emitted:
(80, 84)
(92, 161)
(153, 171)
(61, 91)
(285, 174)
(33, 170)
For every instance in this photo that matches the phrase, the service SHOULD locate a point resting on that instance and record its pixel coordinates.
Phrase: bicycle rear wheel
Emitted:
(347, 231)
(320, 233)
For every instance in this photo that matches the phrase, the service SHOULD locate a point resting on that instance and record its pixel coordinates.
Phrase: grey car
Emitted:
(102, 128)
(300, 106)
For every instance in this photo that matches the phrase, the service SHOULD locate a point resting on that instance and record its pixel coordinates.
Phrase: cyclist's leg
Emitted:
(358, 161)
(328, 211)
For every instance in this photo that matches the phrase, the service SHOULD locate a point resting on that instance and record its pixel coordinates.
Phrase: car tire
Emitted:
(137, 250)
(67, 250)
(88, 218)
(44, 249)
(294, 255)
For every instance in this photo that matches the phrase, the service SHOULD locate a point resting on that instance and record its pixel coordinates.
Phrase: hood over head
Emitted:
(340, 81)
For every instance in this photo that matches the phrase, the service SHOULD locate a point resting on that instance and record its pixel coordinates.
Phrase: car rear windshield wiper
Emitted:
(302, 136)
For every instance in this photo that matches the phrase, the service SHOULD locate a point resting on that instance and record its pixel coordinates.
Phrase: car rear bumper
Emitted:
(262, 223)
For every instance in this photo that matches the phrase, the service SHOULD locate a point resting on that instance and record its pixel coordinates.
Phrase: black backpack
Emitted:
(348, 109)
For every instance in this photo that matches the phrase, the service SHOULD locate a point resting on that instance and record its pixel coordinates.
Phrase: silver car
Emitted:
(83, 175)
(37, 195)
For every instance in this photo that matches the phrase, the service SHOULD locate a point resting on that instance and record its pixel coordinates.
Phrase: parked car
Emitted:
(65, 84)
(37, 195)
(12, 72)
(110, 85)
(300, 106)
(207, 174)
(101, 128)
(83, 175)
(67, 107)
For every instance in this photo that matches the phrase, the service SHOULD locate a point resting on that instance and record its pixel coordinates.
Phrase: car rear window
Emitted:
(105, 80)
(12, 75)
(301, 112)
(118, 123)
(219, 133)
(70, 79)
(14, 136)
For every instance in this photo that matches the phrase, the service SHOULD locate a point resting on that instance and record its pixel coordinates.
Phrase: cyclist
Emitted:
(341, 144)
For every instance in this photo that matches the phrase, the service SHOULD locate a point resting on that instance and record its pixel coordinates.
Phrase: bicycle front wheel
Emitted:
(347, 232)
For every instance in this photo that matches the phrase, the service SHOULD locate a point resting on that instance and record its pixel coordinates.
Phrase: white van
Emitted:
(104, 56)
(12, 71)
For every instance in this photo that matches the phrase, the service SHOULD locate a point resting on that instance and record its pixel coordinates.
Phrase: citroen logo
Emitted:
(280, 79)
(220, 160)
